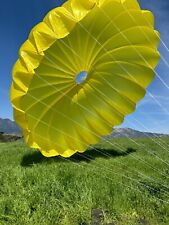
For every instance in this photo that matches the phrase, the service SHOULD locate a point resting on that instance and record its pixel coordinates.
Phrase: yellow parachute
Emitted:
(81, 71)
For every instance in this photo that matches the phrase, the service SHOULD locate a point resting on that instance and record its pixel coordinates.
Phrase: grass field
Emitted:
(121, 186)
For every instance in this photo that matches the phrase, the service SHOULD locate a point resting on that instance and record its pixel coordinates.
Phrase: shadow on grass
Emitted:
(36, 157)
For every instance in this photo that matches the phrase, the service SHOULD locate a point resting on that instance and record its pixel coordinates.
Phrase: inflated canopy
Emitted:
(81, 71)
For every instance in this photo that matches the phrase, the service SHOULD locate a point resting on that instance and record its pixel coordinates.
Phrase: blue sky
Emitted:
(18, 17)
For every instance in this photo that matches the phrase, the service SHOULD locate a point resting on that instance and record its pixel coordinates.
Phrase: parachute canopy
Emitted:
(81, 71)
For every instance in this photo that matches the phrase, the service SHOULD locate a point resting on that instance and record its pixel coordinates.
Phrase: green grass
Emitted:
(38, 191)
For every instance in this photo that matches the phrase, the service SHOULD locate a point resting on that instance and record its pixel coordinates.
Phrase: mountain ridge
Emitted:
(8, 126)
(131, 133)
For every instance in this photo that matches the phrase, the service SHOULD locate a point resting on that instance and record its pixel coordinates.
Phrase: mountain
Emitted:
(8, 126)
(130, 133)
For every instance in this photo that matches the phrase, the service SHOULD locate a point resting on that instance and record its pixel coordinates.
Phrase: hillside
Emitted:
(9, 137)
(9, 127)
(116, 182)
(127, 132)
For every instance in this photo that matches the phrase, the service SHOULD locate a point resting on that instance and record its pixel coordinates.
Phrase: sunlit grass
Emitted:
(129, 185)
